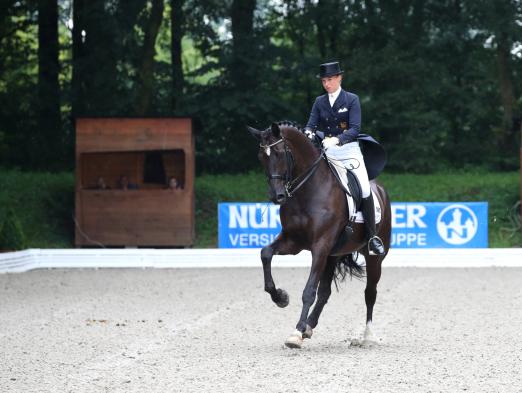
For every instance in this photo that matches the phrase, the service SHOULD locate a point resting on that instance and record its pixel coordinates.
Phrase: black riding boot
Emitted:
(375, 245)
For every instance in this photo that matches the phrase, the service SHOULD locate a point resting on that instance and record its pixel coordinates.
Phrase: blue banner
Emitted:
(414, 225)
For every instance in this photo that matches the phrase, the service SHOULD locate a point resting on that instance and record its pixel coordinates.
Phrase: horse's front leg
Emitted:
(282, 245)
(323, 294)
(319, 259)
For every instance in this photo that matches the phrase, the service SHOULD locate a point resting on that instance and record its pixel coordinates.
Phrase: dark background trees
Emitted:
(438, 80)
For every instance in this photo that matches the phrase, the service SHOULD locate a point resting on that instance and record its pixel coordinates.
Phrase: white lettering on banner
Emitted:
(251, 239)
(401, 239)
(408, 216)
(275, 219)
(237, 217)
(254, 216)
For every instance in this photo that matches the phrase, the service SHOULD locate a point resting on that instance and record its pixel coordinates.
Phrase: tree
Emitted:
(146, 68)
(176, 31)
(241, 68)
(50, 129)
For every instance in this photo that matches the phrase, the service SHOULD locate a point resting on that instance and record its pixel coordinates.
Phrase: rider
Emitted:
(338, 115)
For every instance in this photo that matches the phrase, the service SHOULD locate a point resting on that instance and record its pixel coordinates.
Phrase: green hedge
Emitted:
(12, 236)
(44, 203)
(501, 190)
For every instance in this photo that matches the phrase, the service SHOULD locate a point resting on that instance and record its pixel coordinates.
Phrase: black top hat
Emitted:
(329, 69)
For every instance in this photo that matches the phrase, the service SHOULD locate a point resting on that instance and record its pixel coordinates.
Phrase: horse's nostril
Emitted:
(280, 197)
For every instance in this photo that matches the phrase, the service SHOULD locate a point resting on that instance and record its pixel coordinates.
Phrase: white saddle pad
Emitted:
(341, 171)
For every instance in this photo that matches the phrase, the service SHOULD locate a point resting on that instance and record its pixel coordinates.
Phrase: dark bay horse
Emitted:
(313, 217)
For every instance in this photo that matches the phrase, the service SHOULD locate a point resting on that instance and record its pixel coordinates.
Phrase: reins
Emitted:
(291, 188)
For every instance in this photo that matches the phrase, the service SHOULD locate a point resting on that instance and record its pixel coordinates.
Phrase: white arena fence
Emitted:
(22, 261)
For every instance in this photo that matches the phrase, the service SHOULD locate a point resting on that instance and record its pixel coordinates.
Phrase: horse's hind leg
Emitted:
(373, 275)
(281, 245)
(323, 294)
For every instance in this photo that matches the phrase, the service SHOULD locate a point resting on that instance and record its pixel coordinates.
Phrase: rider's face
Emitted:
(331, 83)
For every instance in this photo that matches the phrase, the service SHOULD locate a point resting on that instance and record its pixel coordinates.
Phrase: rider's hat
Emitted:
(329, 69)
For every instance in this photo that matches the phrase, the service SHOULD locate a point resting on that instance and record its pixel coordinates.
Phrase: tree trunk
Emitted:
(96, 47)
(334, 29)
(48, 84)
(176, 32)
(320, 16)
(506, 90)
(242, 15)
(77, 57)
(146, 69)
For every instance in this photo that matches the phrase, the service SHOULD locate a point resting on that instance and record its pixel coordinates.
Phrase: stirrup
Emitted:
(381, 244)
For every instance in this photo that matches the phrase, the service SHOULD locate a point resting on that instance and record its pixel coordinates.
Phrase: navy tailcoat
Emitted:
(343, 120)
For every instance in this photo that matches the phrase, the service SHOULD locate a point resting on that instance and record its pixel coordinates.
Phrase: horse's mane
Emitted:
(293, 131)
(286, 124)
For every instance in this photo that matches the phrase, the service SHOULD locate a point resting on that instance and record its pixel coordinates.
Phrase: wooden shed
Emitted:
(123, 170)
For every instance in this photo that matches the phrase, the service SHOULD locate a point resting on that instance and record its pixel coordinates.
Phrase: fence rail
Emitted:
(22, 261)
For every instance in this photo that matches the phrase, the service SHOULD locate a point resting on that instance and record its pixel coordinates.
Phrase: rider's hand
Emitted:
(309, 133)
(329, 142)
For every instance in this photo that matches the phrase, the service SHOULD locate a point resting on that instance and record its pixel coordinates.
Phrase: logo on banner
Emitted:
(457, 224)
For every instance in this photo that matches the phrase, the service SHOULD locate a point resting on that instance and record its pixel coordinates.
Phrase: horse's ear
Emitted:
(276, 131)
(255, 133)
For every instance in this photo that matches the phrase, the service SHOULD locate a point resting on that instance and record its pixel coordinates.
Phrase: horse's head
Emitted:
(276, 158)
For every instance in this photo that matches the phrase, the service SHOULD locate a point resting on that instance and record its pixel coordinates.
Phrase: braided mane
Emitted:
(287, 123)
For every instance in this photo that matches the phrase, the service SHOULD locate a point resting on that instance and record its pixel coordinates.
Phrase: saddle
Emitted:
(352, 188)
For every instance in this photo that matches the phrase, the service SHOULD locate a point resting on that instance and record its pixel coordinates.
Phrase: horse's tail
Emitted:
(347, 265)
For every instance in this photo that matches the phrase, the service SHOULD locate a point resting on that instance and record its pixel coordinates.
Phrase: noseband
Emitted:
(291, 186)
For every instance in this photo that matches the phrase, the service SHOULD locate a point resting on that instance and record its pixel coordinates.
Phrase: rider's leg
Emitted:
(375, 245)
(356, 164)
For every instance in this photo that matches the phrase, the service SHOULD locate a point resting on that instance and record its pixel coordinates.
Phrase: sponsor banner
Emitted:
(247, 224)
(440, 225)
(414, 225)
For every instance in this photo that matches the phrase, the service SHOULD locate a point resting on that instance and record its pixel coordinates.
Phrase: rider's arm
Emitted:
(313, 120)
(354, 122)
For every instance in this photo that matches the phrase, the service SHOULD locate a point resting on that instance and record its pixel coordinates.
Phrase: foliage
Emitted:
(436, 78)
(500, 190)
(44, 205)
(44, 202)
(11, 234)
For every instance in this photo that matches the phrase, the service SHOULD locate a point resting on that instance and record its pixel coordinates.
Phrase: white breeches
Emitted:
(349, 155)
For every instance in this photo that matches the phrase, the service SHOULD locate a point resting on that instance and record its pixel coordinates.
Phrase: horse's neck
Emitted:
(305, 154)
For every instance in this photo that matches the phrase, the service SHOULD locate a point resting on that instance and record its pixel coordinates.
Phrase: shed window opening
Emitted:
(158, 169)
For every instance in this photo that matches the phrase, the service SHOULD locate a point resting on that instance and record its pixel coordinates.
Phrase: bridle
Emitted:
(291, 185)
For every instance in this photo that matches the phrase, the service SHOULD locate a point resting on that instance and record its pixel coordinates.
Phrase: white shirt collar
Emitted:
(332, 97)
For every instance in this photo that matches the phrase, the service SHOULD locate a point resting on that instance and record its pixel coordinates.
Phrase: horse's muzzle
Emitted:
(280, 198)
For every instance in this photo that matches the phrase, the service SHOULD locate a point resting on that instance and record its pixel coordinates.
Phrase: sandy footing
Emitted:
(215, 330)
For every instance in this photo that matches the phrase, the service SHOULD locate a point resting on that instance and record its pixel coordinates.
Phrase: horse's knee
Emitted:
(266, 254)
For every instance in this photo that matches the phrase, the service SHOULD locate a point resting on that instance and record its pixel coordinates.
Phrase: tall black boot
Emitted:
(375, 245)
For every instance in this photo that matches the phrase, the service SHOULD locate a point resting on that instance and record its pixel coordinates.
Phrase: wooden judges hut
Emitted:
(134, 182)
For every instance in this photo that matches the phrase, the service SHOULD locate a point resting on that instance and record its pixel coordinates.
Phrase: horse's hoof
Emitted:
(283, 297)
(368, 343)
(308, 332)
(295, 340)
(356, 342)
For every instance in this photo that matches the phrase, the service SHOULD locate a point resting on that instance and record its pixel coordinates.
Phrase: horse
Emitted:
(314, 217)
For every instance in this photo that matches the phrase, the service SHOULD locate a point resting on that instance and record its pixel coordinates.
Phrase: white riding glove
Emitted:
(309, 133)
(329, 142)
